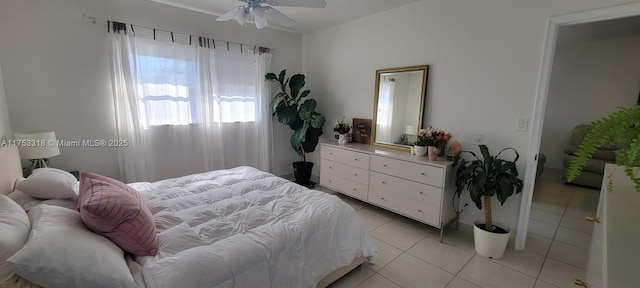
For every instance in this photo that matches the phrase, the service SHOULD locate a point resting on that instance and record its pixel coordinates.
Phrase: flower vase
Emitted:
(420, 150)
(433, 153)
(342, 139)
(441, 148)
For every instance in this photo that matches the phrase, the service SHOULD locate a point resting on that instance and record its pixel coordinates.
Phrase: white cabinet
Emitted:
(615, 253)
(345, 171)
(392, 179)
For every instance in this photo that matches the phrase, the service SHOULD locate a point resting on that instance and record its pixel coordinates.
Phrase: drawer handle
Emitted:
(593, 219)
(421, 193)
(384, 182)
(581, 283)
(382, 198)
(356, 159)
(423, 174)
(384, 165)
(354, 189)
(355, 174)
(330, 181)
(419, 210)
(330, 153)
(330, 167)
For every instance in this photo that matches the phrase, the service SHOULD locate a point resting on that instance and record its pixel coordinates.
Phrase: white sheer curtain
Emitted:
(187, 109)
(385, 111)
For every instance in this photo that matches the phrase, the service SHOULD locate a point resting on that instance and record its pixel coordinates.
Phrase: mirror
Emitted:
(398, 105)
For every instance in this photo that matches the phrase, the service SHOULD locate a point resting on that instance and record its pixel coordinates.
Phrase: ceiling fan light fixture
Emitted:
(259, 17)
(263, 13)
(240, 14)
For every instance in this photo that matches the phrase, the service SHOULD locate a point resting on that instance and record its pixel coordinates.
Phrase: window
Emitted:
(236, 86)
(168, 85)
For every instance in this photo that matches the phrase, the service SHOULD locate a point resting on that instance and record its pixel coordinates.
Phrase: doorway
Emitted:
(553, 26)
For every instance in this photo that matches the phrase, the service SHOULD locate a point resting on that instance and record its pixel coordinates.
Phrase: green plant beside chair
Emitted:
(621, 128)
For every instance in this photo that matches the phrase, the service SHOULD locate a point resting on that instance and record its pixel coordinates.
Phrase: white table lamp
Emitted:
(37, 146)
(411, 130)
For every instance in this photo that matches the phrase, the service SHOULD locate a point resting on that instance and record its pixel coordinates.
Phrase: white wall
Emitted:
(57, 77)
(485, 59)
(5, 126)
(589, 80)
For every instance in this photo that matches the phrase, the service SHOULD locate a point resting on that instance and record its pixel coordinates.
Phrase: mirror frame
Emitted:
(379, 72)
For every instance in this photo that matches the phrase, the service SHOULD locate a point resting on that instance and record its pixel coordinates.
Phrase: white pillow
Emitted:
(27, 201)
(14, 231)
(24, 200)
(63, 252)
(49, 183)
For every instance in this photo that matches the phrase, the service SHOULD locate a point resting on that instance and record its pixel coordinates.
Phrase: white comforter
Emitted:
(246, 228)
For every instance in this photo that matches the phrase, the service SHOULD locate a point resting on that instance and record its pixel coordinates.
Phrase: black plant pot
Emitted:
(302, 171)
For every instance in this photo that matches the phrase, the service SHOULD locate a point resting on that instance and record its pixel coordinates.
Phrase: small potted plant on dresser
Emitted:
(342, 128)
(485, 178)
(300, 116)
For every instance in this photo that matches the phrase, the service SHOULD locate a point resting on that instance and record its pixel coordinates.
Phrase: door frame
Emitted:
(544, 77)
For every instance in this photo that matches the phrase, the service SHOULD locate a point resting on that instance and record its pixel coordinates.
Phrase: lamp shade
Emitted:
(411, 130)
(37, 144)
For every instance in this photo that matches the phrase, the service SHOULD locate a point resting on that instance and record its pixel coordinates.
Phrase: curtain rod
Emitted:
(96, 19)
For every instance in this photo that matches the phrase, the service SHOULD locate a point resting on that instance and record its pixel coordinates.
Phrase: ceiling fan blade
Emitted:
(259, 17)
(239, 14)
(274, 14)
(297, 3)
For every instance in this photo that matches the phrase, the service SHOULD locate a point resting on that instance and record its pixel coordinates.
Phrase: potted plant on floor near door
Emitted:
(300, 116)
(485, 178)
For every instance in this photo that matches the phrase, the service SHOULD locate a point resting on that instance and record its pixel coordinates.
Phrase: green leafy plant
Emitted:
(622, 128)
(342, 126)
(487, 177)
(300, 116)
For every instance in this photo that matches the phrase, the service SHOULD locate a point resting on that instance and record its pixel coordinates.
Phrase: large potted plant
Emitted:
(485, 178)
(300, 116)
(622, 128)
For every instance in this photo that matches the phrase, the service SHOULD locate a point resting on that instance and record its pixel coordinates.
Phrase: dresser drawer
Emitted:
(420, 211)
(407, 188)
(345, 171)
(413, 171)
(360, 160)
(344, 186)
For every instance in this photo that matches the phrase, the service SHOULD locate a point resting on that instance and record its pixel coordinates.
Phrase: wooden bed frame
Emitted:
(327, 280)
(11, 170)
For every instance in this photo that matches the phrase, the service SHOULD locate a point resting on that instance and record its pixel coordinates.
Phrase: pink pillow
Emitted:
(117, 211)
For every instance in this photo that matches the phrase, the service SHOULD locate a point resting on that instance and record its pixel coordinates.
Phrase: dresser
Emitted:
(392, 179)
(615, 253)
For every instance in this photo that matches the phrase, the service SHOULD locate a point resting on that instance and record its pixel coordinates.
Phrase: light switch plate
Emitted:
(522, 124)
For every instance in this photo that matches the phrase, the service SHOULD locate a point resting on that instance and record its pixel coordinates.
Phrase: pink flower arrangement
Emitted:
(432, 137)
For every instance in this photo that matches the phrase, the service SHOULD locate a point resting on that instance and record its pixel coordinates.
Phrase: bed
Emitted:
(239, 228)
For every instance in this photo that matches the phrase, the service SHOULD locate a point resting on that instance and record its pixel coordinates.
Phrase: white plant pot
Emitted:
(420, 150)
(489, 244)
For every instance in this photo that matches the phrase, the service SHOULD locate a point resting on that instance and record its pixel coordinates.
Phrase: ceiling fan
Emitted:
(262, 13)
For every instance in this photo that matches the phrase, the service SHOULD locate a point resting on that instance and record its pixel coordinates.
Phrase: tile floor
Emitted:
(410, 254)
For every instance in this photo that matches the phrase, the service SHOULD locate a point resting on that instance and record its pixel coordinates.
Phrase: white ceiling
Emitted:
(307, 19)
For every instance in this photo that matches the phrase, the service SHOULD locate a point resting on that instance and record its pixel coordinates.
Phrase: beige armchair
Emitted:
(593, 172)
